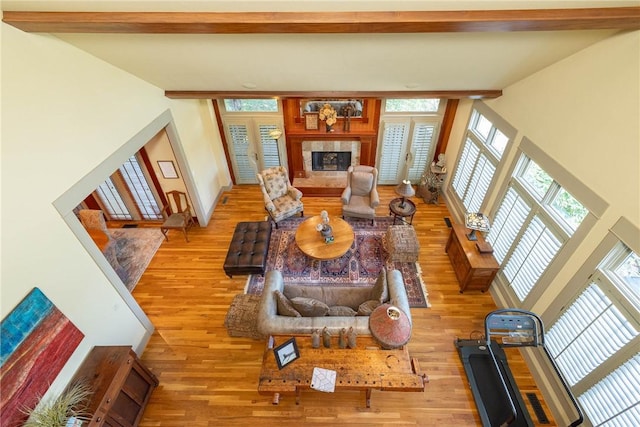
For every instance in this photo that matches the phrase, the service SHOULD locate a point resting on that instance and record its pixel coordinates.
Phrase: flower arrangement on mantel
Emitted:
(329, 115)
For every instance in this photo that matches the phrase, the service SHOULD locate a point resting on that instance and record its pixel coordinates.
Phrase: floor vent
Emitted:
(447, 221)
(224, 200)
(537, 408)
(130, 226)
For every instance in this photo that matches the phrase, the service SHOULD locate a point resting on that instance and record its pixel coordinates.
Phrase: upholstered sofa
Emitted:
(271, 322)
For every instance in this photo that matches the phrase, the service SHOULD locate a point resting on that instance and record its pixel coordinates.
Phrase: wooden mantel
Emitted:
(363, 129)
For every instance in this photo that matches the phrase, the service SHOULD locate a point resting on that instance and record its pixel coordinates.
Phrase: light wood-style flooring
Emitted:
(210, 379)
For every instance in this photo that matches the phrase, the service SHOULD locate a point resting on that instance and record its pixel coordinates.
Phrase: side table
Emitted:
(399, 211)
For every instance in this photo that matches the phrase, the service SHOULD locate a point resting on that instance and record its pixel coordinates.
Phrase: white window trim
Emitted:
(501, 164)
(623, 231)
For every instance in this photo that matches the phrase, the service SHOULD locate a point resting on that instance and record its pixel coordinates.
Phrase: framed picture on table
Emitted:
(286, 353)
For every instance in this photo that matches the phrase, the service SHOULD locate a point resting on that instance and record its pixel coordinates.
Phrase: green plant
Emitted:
(54, 412)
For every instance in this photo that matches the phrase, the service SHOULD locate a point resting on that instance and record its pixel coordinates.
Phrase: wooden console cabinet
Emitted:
(121, 386)
(474, 270)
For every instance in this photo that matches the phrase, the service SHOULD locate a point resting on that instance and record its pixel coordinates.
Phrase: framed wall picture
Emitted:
(168, 169)
(311, 121)
(286, 353)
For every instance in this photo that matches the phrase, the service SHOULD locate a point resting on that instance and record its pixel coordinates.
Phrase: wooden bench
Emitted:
(367, 367)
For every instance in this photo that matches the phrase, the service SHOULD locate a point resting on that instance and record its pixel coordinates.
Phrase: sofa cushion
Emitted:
(310, 307)
(341, 310)
(367, 307)
(284, 306)
(380, 290)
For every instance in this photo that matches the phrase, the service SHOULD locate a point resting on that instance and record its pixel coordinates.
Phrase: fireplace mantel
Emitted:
(366, 134)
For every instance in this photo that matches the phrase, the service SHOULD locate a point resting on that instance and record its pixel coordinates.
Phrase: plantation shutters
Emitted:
(240, 152)
(269, 147)
(251, 148)
(393, 151)
(588, 333)
(421, 150)
(487, 138)
(406, 149)
(507, 223)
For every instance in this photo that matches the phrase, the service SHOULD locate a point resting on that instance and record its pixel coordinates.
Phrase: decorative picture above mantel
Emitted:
(344, 107)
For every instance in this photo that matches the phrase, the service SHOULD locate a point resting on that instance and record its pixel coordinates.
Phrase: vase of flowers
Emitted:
(329, 115)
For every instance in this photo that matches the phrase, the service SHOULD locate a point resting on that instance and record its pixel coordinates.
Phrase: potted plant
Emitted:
(69, 409)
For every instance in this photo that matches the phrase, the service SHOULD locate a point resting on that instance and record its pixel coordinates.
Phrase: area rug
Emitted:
(135, 247)
(360, 266)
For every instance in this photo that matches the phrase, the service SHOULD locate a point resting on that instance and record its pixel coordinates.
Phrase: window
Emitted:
(112, 201)
(251, 105)
(530, 225)
(409, 105)
(140, 190)
(487, 138)
(595, 341)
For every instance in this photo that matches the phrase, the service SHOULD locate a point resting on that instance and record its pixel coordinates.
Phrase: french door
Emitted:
(251, 148)
(406, 148)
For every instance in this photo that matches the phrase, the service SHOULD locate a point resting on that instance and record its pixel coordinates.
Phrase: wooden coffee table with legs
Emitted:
(367, 367)
(312, 244)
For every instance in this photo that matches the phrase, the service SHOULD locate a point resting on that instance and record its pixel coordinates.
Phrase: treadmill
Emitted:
(494, 389)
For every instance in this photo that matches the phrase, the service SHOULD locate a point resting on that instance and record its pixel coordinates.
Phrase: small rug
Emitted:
(135, 247)
(360, 266)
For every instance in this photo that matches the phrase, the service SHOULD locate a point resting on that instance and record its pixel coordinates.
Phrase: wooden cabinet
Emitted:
(121, 386)
(474, 270)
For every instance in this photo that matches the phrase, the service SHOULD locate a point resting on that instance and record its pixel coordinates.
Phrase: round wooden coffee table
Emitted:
(312, 244)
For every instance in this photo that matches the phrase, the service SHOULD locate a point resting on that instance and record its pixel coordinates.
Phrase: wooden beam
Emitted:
(326, 22)
(450, 94)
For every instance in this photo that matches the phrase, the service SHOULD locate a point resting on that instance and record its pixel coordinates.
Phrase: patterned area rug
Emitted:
(360, 266)
(135, 247)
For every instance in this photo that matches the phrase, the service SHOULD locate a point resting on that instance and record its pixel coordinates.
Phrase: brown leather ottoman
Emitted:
(248, 248)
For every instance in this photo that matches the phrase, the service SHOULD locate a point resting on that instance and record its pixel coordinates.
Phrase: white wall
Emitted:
(63, 113)
(584, 112)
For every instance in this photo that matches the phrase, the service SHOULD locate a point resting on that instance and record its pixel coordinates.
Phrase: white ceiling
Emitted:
(327, 62)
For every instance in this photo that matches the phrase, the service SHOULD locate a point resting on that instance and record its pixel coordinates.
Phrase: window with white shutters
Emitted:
(595, 342)
(239, 144)
(485, 143)
(421, 149)
(525, 233)
(393, 148)
(270, 149)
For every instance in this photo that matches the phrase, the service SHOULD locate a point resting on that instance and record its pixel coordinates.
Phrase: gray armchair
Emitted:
(360, 199)
(281, 199)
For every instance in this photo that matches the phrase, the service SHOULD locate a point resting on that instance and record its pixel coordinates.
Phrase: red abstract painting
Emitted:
(36, 342)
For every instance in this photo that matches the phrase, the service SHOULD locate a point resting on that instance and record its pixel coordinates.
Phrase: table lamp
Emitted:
(476, 221)
(390, 326)
(405, 190)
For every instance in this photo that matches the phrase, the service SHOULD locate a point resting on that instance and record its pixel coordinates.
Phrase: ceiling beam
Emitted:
(325, 22)
(449, 94)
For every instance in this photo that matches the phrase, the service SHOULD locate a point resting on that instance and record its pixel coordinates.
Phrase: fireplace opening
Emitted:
(330, 160)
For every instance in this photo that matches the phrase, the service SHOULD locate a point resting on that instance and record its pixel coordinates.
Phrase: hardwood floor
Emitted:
(210, 379)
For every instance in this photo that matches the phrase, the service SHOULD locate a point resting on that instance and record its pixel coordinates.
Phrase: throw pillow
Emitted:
(309, 307)
(367, 307)
(380, 290)
(284, 306)
(341, 310)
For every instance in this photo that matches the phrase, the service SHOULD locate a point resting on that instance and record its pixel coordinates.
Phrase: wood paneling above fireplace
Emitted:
(363, 129)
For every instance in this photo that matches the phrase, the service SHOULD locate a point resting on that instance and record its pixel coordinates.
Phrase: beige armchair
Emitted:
(281, 199)
(360, 199)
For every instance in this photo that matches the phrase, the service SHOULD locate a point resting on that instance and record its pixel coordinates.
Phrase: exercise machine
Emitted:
(494, 389)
